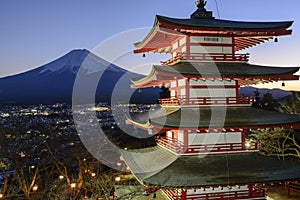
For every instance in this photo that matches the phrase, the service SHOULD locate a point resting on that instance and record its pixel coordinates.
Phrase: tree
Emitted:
(165, 92)
(267, 102)
(5, 176)
(290, 104)
(29, 161)
(74, 163)
(101, 185)
(278, 142)
(257, 99)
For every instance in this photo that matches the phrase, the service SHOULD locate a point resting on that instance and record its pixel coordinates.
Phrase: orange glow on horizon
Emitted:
(289, 85)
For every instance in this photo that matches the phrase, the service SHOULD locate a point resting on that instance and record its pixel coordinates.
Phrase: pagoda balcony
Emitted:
(177, 147)
(208, 57)
(214, 193)
(221, 148)
(171, 144)
(206, 101)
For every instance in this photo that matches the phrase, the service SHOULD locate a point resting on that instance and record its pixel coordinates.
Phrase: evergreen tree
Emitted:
(267, 102)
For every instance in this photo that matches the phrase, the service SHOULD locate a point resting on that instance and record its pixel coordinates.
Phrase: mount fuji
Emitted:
(53, 82)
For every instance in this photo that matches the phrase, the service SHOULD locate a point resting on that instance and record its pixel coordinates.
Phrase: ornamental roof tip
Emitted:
(201, 12)
(201, 3)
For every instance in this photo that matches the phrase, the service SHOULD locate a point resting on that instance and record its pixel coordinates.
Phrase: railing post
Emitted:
(250, 187)
(227, 100)
(203, 56)
(207, 57)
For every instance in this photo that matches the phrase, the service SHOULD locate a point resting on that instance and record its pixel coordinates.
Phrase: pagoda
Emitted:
(203, 151)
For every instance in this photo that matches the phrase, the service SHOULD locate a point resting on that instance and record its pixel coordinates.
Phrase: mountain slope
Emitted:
(53, 82)
(276, 93)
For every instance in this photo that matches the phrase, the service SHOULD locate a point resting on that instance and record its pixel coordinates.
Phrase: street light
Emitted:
(61, 177)
(1, 196)
(93, 174)
(248, 144)
(73, 185)
(35, 188)
(118, 178)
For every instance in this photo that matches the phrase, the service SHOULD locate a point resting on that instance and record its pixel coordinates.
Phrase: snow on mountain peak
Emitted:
(79, 58)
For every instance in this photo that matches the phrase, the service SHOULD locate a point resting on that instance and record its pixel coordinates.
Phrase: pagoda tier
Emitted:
(208, 131)
(227, 176)
(218, 118)
(202, 171)
(233, 35)
(244, 74)
(208, 84)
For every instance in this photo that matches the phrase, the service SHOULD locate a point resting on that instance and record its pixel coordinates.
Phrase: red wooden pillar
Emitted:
(233, 47)
(237, 91)
(289, 189)
(250, 187)
(187, 91)
(185, 140)
(183, 194)
(188, 47)
(243, 135)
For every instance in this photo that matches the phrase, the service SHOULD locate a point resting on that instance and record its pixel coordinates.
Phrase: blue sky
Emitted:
(34, 32)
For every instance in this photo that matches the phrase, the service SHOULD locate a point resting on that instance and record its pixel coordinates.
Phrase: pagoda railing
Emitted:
(206, 101)
(207, 57)
(170, 101)
(219, 148)
(170, 143)
(179, 148)
(255, 192)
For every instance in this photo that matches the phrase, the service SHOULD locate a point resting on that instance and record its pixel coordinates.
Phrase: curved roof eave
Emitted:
(154, 27)
(145, 79)
(226, 24)
(235, 118)
(225, 69)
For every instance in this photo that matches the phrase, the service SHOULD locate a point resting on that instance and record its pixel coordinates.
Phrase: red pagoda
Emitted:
(202, 150)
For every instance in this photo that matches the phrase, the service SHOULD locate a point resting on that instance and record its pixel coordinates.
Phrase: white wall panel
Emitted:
(210, 49)
(215, 138)
(181, 82)
(208, 82)
(182, 41)
(213, 92)
(204, 39)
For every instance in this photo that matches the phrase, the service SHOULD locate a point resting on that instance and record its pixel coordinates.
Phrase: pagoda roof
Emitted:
(224, 24)
(249, 73)
(216, 170)
(166, 30)
(216, 117)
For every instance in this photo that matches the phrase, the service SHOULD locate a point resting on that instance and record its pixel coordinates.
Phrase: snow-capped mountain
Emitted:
(79, 58)
(53, 82)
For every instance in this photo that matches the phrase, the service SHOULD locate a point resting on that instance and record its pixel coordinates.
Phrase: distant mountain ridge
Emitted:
(276, 93)
(53, 82)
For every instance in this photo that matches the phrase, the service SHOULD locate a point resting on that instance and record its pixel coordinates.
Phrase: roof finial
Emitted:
(200, 3)
(201, 12)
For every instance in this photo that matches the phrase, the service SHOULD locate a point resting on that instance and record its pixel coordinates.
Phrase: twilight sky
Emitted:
(34, 32)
